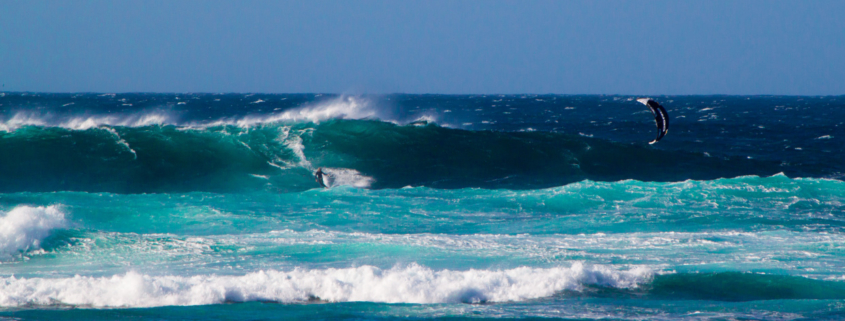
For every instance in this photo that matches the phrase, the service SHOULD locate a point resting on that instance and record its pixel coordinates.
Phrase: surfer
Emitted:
(318, 175)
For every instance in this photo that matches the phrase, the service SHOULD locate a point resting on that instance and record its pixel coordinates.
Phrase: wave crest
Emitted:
(24, 227)
(343, 107)
(409, 284)
(339, 108)
(84, 122)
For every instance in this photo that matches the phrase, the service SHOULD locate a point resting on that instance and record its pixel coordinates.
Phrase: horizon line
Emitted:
(394, 93)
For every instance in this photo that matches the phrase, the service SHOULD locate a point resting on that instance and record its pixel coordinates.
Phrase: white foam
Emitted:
(339, 108)
(429, 118)
(132, 120)
(24, 227)
(408, 284)
(120, 141)
(343, 107)
(346, 177)
(294, 143)
(21, 119)
(84, 122)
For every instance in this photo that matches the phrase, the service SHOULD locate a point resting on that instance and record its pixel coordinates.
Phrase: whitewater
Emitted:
(204, 206)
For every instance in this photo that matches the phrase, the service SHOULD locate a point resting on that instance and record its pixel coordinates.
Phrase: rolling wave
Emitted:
(341, 107)
(24, 228)
(281, 156)
(410, 284)
(407, 284)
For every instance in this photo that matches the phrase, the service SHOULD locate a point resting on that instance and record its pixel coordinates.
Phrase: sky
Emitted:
(446, 47)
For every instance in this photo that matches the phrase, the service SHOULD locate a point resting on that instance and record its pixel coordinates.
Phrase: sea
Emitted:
(201, 206)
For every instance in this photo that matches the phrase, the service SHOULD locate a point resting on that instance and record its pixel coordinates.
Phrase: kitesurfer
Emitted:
(318, 175)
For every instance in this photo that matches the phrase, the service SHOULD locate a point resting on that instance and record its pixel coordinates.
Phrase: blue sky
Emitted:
(450, 47)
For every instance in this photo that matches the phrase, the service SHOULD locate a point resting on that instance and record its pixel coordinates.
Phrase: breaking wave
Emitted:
(339, 108)
(346, 177)
(368, 153)
(343, 107)
(83, 122)
(409, 284)
(24, 228)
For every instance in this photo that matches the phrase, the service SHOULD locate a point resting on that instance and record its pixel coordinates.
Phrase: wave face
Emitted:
(203, 206)
(230, 143)
(282, 157)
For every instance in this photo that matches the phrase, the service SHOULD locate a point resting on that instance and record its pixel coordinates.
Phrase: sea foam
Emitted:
(346, 177)
(405, 284)
(24, 227)
(83, 122)
(344, 107)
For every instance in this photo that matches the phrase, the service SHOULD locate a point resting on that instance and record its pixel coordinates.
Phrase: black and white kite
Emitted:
(660, 116)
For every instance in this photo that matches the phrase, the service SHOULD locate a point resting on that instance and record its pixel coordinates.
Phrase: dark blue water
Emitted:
(204, 206)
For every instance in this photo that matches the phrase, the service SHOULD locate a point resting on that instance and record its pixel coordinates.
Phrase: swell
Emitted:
(281, 157)
(740, 204)
(726, 286)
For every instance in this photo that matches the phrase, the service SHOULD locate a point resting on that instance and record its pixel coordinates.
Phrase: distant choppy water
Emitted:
(203, 206)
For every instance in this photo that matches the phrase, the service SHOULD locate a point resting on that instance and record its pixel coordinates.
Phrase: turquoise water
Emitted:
(213, 217)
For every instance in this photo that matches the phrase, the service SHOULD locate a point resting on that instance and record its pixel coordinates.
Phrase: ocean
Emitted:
(205, 207)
